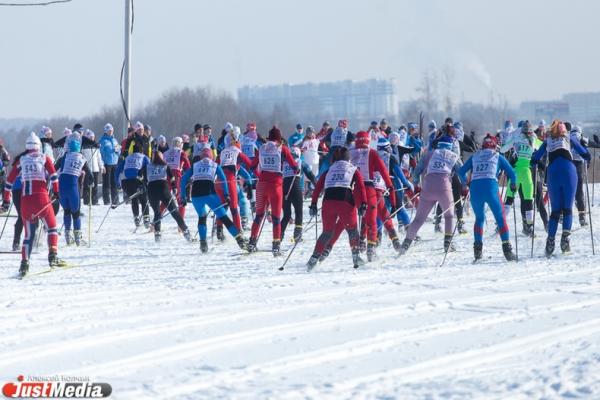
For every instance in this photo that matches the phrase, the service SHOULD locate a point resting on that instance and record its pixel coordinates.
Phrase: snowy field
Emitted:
(162, 321)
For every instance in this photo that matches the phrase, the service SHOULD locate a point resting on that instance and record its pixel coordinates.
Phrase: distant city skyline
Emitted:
(65, 59)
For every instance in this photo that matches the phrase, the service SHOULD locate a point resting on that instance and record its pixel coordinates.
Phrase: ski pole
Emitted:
(449, 244)
(289, 255)
(516, 236)
(392, 215)
(587, 190)
(43, 209)
(594, 176)
(90, 215)
(114, 207)
(534, 204)
(290, 188)
(6, 219)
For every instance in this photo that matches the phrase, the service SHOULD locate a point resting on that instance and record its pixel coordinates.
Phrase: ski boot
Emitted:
(549, 246)
(203, 246)
(312, 262)
(508, 253)
(565, 243)
(371, 254)
(437, 224)
(448, 247)
(396, 244)
(220, 234)
(137, 220)
(16, 245)
(78, 237)
(461, 227)
(68, 237)
(241, 242)
(404, 247)
(527, 229)
(325, 253)
(362, 245)
(251, 246)
(187, 235)
(147, 221)
(582, 220)
(276, 248)
(23, 269)
(54, 261)
(477, 250)
(157, 236)
(356, 260)
(298, 233)
(245, 224)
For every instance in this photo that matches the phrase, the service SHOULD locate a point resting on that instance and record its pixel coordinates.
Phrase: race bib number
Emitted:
(270, 158)
(340, 174)
(173, 159)
(204, 170)
(554, 144)
(73, 164)
(485, 164)
(229, 156)
(134, 161)
(33, 167)
(442, 162)
(156, 172)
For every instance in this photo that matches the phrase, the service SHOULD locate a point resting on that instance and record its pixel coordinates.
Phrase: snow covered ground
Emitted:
(165, 322)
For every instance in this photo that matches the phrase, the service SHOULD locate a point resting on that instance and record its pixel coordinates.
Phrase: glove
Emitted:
(313, 210)
(586, 156)
(410, 187)
(465, 191)
(513, 187)
(55, 196)
(585, 141)
(417, 189)
(227, 201)
(362, 209)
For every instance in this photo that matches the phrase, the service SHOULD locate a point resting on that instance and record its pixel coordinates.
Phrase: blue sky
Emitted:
(65, 59)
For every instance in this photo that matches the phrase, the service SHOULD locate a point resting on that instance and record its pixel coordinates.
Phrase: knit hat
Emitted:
(489, 142)
(33, 142)
(275, 134)
(138, 126)
(432, 125)
(362, 139)
(108, 128)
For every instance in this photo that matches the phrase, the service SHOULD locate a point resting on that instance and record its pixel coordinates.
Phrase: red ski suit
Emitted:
(36, 170)
(339, 204)
(269, 189)
(230, 159)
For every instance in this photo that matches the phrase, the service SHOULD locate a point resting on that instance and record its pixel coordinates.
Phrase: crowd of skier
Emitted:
(367, 180)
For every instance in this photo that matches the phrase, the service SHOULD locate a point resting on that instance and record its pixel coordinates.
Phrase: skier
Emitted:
(562, 181)
(178, 163)
(579, 167)
(230, 159)
(485, 166)
(47, 142)
(369, 163)
(344, 188)
(161, 144)
(269, 187)
(524, 143)
(438, 165)
(33, 167)
(69, 169)
(202, 175)
(133, 168)
(16, 198)
(292, 189)
(384, 149)
(109, 151)
(159, 191)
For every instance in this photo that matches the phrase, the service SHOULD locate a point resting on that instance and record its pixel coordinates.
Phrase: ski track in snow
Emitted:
(162, 321)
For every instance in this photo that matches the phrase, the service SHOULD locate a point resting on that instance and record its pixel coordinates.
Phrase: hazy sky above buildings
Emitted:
(66, 58)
